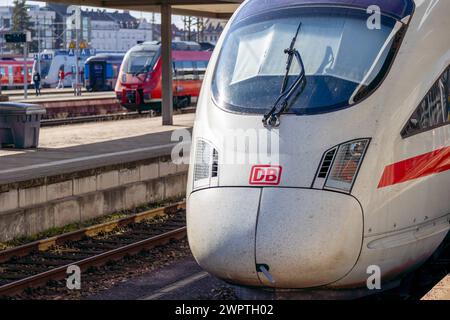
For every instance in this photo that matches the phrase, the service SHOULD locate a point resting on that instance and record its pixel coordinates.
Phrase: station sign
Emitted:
(44, 57)
(82, 53)
(16, 37)
(87, 52)
(83, 45)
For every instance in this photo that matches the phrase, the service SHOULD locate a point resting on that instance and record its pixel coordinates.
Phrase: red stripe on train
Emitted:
(417, 167)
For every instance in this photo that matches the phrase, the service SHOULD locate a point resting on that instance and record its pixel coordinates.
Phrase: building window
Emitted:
(433, 111)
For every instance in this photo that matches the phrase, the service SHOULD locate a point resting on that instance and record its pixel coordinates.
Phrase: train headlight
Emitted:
(206, 166)
(346, 164)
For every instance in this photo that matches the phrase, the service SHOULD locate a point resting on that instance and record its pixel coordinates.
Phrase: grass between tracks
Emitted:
(80, 225)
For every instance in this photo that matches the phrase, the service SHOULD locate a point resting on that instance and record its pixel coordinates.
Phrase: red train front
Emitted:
(139, 84)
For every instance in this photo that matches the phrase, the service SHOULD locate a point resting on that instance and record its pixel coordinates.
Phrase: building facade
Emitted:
(42, 27)
(212, 29)
(108, 31)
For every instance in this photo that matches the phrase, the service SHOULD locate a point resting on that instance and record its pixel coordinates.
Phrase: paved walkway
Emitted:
(79, 147)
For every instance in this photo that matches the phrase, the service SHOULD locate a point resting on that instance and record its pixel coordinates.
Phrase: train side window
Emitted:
(434, 109)
(188, 69)
(2, 71)
(448, 95)
(196, 70)
(178, 72)
(202, 65)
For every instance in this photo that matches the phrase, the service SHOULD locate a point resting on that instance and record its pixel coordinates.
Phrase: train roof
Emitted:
(399, 9)
(105, 56)
(176, 45)
(15, 62)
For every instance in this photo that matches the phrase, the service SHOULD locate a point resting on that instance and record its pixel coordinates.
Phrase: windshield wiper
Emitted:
(143, 70)
(272, 118)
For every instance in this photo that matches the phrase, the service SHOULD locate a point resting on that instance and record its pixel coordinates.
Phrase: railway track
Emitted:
(35, 264)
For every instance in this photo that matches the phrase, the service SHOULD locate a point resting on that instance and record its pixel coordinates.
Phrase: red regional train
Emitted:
(12, 75)
(139, 83)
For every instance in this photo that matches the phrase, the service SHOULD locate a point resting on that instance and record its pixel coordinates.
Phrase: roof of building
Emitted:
(121, 16)
(60, 9)
(205, 8)
(214, 25)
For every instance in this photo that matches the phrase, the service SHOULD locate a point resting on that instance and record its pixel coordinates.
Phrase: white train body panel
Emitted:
(310, 237)
(61, 61)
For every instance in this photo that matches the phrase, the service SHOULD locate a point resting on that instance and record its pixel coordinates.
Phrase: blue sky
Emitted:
(176, 19)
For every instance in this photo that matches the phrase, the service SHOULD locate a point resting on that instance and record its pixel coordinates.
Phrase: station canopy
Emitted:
(220, 9)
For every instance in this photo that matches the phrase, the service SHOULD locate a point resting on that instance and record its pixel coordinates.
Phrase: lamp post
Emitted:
(77, 50)
(25, 64)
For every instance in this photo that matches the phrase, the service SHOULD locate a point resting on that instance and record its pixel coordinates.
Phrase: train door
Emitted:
(115, 74)
(10, 76)
(97, 75)
(189, 77)
(4, 79)
(177, 77)
(18, 75)
(30, 74)
(200, 70)
(184, 82)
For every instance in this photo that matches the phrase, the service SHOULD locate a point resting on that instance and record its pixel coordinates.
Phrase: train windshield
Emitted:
(345, 59)
(45, 67)
(139, 61)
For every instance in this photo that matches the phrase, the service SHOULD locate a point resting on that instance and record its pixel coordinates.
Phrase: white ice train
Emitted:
(52, 61)
(361, 180)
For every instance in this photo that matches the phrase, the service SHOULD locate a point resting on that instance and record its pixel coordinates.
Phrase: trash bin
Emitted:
(20, 124)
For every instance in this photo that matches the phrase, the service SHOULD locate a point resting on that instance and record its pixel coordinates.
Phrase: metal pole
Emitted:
(1, 38)
(39, 47)
(25, 71)
(166, 56)
(153, 27)
(77, 31)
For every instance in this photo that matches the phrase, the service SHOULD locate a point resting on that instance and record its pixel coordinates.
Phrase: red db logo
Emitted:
(266, 175)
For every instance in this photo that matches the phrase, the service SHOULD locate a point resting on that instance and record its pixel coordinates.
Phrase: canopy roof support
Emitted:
(166, 56)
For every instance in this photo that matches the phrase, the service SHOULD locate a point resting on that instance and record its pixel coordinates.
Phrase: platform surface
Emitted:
(440, 292)
(72, 148)
(19, 92)
(61, 96)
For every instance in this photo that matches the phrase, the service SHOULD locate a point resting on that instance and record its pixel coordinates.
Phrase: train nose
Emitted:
(221, 226)
(308, 238)
(303, 238)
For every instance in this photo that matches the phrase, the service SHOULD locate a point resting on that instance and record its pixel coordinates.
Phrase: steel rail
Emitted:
(59, 273)
(45, 244)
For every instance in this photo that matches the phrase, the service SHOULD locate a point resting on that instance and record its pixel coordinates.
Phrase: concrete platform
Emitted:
(80, 172)
(55, 96)
(63, 103)
(441, 291)
(73, 147)
(44, 91)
